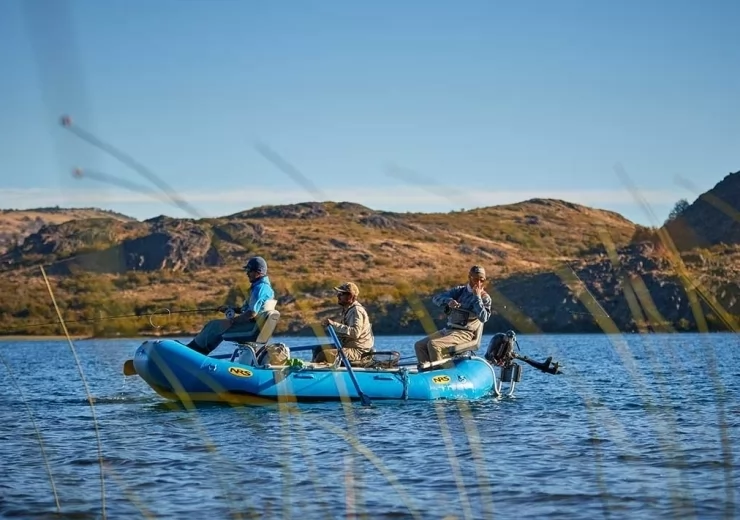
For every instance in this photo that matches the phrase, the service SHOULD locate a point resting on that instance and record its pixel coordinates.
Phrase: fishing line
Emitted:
(151, 316)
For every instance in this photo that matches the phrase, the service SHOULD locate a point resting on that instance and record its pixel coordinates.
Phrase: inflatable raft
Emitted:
(252, 375)
(177, 372)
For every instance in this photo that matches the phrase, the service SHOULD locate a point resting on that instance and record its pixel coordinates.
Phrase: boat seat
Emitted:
(455, 351)
(264, 325)
(468, 346)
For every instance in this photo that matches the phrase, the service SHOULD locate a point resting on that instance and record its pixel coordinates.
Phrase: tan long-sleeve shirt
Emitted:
(355, 331)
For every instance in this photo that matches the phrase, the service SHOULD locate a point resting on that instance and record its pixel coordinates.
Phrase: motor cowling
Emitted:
(500, 350)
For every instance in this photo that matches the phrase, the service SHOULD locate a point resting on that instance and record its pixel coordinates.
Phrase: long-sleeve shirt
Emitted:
(478, 307)
(260, 291)
(355, 329)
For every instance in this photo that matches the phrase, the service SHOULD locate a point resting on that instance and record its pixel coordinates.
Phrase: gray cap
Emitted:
(478, 271)
(256, 264)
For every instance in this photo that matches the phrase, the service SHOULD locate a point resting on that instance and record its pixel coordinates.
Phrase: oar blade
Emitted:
(128, 368)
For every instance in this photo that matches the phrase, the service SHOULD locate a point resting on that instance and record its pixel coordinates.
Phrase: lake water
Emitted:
(637, 427)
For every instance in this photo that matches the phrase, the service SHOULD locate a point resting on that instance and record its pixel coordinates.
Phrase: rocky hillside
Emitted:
(554, 267)
(16, 225)
(714, 218)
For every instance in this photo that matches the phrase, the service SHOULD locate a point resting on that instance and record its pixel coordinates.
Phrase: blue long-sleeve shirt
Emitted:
(476, 306)
(259, 292)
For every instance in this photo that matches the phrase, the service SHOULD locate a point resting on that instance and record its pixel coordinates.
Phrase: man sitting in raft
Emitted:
(467, 307)
(260, 291)
(354, 332)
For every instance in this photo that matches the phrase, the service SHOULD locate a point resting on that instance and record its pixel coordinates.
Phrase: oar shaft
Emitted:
(364, 398)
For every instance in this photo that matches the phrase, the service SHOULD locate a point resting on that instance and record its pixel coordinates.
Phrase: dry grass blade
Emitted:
(288, 169)
(87, 391)
(692, 287)
(458, 197)
(38, 434)
(132, 163)
(80, 173)
(710, 198)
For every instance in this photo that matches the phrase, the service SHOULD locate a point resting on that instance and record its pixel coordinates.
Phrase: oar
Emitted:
(128, 368)
(364, 398)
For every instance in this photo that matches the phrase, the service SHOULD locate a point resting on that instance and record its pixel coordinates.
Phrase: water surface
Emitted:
(638, 427)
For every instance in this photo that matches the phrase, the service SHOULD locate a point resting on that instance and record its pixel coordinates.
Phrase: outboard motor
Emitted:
(501, 349)
(501, 353)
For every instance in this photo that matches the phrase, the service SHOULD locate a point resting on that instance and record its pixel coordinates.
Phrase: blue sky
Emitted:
(486, 102)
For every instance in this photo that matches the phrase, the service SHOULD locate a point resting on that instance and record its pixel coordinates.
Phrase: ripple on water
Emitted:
(604, 439)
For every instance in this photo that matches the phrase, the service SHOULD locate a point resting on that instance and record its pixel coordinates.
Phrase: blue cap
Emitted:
(256, 264)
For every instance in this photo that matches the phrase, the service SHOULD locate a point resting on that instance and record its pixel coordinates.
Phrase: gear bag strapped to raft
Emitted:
(274, 354)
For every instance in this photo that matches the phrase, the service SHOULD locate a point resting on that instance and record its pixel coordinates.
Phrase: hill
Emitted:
(17, 224)
(712, 219)
(548, 261)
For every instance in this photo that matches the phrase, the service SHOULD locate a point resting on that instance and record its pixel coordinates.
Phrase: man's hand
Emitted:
(245, 317)
(478, 288)
(326, 322)
(453, 304)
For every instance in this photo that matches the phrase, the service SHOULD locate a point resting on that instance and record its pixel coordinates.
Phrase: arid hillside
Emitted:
(554, 267)
(16, 225)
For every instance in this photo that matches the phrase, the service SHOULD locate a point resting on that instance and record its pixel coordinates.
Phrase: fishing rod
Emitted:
(151, 315)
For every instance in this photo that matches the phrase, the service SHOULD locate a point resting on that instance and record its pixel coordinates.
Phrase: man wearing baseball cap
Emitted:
(237, 320)
(467, 307)
(354, 329)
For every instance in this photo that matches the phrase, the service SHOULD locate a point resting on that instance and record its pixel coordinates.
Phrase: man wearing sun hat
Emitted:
(354, 329)
(467, 307)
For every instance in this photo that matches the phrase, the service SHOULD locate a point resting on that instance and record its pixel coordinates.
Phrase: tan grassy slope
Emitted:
(351, 241)
(15, 225)
(310, 247)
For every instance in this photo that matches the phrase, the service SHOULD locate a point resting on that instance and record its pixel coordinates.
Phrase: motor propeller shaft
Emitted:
(546, 366)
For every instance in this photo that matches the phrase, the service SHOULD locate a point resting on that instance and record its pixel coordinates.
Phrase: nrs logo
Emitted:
(440, 380)
(239, 372)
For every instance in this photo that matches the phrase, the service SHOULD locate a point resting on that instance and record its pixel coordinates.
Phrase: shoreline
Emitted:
(57, 337)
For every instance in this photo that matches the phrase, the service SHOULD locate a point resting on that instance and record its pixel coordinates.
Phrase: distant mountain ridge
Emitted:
(549, 261)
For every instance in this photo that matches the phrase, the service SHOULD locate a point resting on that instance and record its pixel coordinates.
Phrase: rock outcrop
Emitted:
(712, 219)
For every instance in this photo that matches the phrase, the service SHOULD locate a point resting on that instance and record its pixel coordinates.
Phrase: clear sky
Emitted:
(485, 102)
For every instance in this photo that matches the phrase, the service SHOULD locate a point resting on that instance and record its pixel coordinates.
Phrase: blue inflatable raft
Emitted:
(252, 375)
(177, 372)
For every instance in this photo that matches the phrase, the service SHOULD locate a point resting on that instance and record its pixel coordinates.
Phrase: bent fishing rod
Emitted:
(151, 315)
